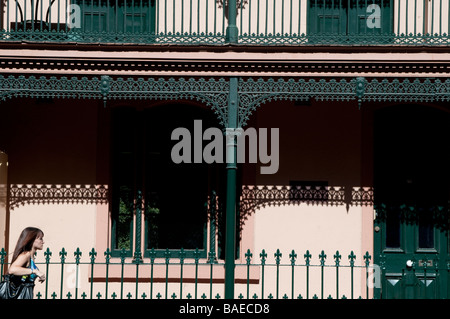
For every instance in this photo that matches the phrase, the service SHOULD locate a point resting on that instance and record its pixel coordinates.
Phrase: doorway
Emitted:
(411, 194)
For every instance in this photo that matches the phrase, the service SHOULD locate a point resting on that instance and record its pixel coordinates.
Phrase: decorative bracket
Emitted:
(105, 86)
(360, 89)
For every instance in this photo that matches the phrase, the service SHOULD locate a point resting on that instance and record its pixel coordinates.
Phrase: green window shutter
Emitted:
(327, 17)
(119, 16)
(350, 17)
(370, 17)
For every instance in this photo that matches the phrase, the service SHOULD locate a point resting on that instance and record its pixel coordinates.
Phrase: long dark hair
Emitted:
(26, 240)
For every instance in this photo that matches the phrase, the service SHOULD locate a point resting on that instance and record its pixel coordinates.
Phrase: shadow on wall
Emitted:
(256, 197)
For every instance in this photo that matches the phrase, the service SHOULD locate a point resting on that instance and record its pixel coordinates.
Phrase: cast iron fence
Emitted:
(261, 275)
(205, 22)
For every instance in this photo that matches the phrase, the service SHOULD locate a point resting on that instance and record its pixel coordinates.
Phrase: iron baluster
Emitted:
(278, 256)
(47, 255)
(77, 255)
(322, 258)
(167, 255)
(196, 259)
(152, 255)
(367, 259)
(123, 254)
(92, 255)
(107, 261)
(182, 255)
(337, 258)
(263, 256)
(293, 257)
(352, 258)
(248, 258)
(211, 261)
(307, 257)
(62, 255)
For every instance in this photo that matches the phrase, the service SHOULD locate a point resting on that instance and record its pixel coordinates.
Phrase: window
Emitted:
(177, 199)
(118, 16)
(350, 17)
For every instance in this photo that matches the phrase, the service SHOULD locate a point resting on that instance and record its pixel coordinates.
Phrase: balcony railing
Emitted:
(205, 22)
(259, 275)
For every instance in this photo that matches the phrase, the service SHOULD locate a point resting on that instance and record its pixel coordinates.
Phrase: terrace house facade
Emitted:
(343, 189)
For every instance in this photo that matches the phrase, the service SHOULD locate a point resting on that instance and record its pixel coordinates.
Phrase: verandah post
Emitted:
(232, 29)
(230, 230)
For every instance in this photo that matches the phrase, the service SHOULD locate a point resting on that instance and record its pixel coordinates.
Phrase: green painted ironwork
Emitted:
(232, 29)
(221, 22)
(214, 92)
(231, 192)
(90, 277)
(280, 276)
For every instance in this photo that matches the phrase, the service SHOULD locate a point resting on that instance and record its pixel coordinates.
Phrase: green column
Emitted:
(138, 246)
(230, 230)
(232, 30)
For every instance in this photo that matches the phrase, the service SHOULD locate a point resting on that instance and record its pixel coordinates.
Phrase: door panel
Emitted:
(411, 188)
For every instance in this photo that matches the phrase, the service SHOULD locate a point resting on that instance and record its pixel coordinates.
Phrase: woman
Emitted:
(23, 269)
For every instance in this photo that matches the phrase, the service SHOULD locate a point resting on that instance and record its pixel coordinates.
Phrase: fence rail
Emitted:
(261, 275)
(205, 22)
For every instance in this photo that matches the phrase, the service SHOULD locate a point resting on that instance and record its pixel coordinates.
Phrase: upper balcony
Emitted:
(219, 22)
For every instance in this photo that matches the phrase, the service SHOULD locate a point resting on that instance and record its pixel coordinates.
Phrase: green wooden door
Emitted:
(344, 20)
(412, 178)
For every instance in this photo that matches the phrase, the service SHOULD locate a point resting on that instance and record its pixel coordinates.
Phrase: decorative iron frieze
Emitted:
(254, 93)
(57, 194)
(214, 92)
(256, 197)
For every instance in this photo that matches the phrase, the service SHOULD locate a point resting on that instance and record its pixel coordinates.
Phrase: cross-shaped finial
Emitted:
(293, 256)
(248, 256)
(337, 257)
(322, 257)
(307, 257)
(278, 256)
(352, 258)
(263, 256)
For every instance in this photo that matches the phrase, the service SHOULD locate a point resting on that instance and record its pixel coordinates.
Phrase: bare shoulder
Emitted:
(26, 254)
(23, 258)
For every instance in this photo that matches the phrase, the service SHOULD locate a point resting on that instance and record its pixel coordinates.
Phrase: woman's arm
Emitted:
(19, 266)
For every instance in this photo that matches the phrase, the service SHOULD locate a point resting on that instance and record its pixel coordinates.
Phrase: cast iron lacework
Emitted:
(256, 197)
(57, 194)
(219, 38)
(253, 93)
(214, 92)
